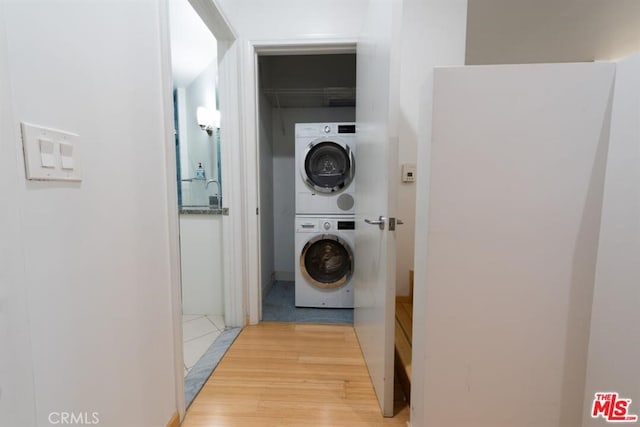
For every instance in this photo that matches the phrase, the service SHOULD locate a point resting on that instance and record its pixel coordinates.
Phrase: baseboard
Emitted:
(285, 276)
(174, 421)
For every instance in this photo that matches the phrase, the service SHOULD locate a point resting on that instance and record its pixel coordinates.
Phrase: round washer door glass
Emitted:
(327, 262)
(328, 167)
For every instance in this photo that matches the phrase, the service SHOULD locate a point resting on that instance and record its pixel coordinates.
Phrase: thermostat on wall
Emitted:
(408, 172)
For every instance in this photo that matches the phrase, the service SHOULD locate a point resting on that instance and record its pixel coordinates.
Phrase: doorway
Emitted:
(202, 209)
(314, 87)
(378, 89)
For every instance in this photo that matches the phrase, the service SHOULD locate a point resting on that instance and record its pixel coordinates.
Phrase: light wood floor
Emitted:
(403, 340)
(285, 374)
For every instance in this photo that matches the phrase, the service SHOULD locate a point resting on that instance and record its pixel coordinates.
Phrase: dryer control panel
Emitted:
(316, 130)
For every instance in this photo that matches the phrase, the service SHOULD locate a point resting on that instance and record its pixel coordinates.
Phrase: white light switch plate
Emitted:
(59, 164)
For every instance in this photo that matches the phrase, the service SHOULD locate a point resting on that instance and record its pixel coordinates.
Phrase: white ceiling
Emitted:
(193, 47)
(499, 31)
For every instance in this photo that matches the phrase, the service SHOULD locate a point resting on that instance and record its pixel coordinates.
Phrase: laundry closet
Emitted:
(299, 89)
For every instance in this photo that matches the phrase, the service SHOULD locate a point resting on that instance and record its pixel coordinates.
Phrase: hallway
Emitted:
(291, 375)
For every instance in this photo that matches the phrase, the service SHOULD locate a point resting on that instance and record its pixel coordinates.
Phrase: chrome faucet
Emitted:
(209, 181)
(218, 196)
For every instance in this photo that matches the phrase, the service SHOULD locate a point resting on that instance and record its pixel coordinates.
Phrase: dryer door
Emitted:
(328, 166)
(326, 262)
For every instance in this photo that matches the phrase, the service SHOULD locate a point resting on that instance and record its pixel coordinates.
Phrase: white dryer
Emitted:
(325, 168)
(324, 268)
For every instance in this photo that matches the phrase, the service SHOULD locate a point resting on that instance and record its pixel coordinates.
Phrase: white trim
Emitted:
(172, 205)
(232, 183)
(250, 100)
(308, 48)
(210, 13)
(252, 188)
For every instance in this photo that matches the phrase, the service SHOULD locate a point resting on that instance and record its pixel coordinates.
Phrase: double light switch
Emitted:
(50, 154)
(47, 153)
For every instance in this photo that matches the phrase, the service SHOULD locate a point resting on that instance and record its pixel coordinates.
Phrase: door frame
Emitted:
(250, 114)
(229, 90)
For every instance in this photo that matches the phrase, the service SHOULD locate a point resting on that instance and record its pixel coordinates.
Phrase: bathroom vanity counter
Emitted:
(203, 210)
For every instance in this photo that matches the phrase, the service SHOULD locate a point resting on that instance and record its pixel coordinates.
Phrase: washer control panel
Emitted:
(320, 225)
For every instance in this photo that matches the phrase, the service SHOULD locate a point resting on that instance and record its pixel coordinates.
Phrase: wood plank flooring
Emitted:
(286, 375)
(403, 338)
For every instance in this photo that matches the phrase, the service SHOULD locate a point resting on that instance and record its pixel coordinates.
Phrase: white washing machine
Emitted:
(324, 264)
(325, 168)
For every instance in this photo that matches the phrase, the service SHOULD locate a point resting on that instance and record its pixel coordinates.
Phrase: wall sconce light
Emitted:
(208, 119)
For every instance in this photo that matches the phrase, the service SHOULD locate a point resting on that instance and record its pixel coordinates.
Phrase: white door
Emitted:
(376, 172)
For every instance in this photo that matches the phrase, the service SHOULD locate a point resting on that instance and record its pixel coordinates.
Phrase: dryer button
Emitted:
(326, 225)
(327, 129)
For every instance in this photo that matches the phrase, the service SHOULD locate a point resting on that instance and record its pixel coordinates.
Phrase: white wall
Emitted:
(526, 31)
(499, 31)
(284, 170)
(266, 196)
(276, 19)
(85, 266)
(436, 29)
(517, 173)
(433, 34)
(268, 21)
(614, 343)
(338, 19)
(201, 253)
(16, 372)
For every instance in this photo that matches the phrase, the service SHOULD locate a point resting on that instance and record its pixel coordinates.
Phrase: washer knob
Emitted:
(327, 129)
(326, 225)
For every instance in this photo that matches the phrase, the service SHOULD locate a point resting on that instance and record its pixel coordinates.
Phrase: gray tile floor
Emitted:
(279, 306)
(198, 333)
(204, 367)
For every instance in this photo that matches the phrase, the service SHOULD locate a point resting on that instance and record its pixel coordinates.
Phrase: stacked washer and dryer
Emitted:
(325, 224)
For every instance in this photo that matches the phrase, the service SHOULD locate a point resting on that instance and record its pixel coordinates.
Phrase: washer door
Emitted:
(326, 262)
(328, 166)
